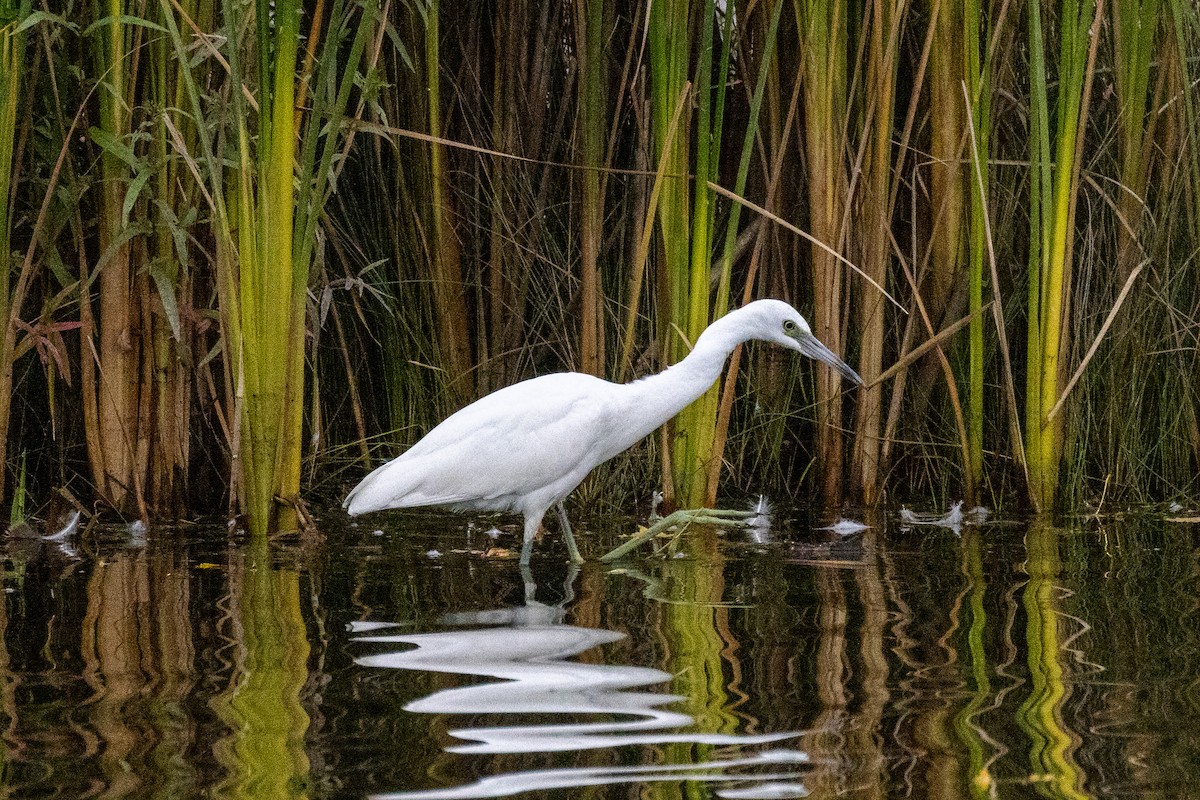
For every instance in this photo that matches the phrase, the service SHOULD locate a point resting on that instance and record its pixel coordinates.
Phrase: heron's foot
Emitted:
(679, 520)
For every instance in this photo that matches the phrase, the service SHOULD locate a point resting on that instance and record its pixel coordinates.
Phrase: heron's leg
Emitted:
(532, 523)
(687, 516)
(568, 537)
(530, 585)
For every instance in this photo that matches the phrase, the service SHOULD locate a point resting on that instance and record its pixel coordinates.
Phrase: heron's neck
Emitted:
(660, 397)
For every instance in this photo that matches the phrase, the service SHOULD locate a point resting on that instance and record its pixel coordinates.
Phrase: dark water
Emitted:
(996, 661)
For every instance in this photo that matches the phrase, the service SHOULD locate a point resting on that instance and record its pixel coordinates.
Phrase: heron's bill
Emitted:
(812, 347)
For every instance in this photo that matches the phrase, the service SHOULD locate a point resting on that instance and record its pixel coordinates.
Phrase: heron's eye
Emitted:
(789, 326)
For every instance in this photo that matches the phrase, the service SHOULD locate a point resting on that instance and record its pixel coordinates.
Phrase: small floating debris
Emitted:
(952, 520)
(846, 527)
(759, 524)
(495, 552)
(1180, 513)
(763, 510)
(377, 532)
(493, 532)
(433, 553)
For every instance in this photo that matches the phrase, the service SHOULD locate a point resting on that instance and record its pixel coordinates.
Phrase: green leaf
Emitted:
(131, 195)
(398, 43)
(41, 16)
(123, 237)
(114, 145)
(177, 229)
(60, 271)
(216, 350)
(166, 274)
(124, 19)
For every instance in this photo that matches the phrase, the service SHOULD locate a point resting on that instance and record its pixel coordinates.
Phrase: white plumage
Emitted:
(525, 447)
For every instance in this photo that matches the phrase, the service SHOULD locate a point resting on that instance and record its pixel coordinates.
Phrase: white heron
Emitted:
(525, 447)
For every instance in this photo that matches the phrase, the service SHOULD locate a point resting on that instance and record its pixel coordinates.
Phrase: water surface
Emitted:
(410, 657)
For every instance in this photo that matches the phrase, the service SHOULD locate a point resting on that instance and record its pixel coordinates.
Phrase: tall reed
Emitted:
(978, 95)
(266, 232)
(12, 67)
(111, 386)
(1125, 368)
(1185, 37)
(695, 426)
(269, 276)
(873, 223)
(589, 46)
(136, 304)
(449, 286)
(825, 37)
(1135, 26)
(169, 312)
(1054, 188)
(669, 32)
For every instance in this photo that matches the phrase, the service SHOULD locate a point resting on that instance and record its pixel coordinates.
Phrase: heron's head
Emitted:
(783, 325)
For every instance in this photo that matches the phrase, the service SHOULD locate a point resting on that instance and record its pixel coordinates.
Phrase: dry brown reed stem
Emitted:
(1091, 351)
(589, 24)
(874, 220)
(448, 283)
(119, 332)
(904, 362)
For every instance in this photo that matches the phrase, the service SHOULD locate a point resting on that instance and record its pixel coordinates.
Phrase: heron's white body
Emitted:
(527, 446)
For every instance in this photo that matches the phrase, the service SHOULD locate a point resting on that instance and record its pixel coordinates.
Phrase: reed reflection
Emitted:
(136, 648)
(531, 653)
(1051, 741)
(1001, 661)
(264, 752)
(122, 654)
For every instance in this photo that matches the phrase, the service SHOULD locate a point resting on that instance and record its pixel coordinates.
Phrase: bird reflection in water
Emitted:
(529, 649)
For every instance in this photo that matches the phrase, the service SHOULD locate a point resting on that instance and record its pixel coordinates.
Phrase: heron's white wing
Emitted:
(517, 441)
